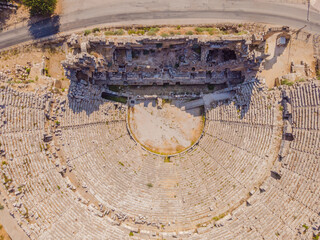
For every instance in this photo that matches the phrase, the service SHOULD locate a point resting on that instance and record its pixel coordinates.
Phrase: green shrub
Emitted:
(156, 29)
(199, 30)
(115, 88)
(305, 226)
(219, 217)
(189, 33)
(149, 185)
(46, 71)
(286, 82)
(164, 35)
(28, 70)
(131, 234)
(116, 98)
(140, 32)
(96, 30)
(153, 31)
(108, 33)
(131, 31)
(87, 32)
(1, 207)
(210, 31)
(164, 101)
(241, 32)
(119, 32)
(178, 27)
(41, 7)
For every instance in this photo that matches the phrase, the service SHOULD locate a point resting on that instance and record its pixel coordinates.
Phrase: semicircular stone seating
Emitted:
(70, 169)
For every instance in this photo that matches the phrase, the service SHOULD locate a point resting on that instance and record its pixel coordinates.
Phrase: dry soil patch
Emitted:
(300, 48)
(28, 57)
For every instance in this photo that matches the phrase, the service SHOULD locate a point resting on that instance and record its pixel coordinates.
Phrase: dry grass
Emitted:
(3, 234)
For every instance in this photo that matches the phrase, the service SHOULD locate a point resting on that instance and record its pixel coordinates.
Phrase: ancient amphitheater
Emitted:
(75, 165)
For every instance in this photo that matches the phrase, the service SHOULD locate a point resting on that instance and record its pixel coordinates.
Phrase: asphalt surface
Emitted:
(209, 10)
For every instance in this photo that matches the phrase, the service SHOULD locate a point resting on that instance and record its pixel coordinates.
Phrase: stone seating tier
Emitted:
(91, 180)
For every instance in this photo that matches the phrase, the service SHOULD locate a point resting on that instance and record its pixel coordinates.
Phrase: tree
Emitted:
(41, 7)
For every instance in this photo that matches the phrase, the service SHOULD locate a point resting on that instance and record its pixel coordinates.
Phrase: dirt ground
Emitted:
(30, 56)
(300, 48)
(10, 19)
(168, 130)
(3, 234)
(59, 9)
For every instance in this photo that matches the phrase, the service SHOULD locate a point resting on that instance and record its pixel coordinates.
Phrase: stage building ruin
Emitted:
(173, 61)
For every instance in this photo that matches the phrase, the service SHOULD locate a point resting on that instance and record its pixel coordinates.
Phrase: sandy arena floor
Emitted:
(168, 130)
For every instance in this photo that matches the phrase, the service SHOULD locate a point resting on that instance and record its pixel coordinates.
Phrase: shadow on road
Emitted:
(45, 28)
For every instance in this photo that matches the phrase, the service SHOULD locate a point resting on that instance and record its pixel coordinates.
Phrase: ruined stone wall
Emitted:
(172, 61)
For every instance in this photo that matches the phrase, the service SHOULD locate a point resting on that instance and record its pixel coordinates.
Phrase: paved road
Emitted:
(185, 11)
